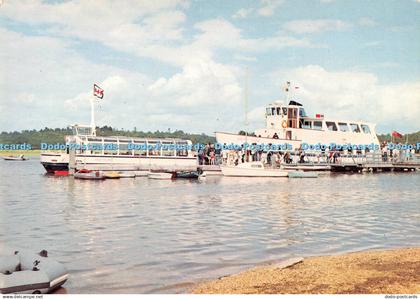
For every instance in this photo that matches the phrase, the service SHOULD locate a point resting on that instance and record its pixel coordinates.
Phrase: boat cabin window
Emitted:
(302, 112)
(111, 148)
(307, 124)
(96, 148)
(284, 110)
(355, 128)
(343, 127)
(182, 148)
(268, 111)
(365, 129)
(273, 111)
(292, 114)
(124, 149)
(153, 148)
(168, 148)
(86, 131)
(317, 125)
(140, 149)
(331, 126)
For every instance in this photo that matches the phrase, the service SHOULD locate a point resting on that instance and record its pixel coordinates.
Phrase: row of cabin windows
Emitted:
(332, 126)
(124, 150)
(291, 112)
(316, 125)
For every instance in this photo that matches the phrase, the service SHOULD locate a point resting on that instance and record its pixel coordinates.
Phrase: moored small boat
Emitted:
(15, 158)
(307, 167)
(24, 272)
(141, 173)
(85, 174)
(160, 175)
(127, 174)
(302, 174)
(252, 169)
(111, 174)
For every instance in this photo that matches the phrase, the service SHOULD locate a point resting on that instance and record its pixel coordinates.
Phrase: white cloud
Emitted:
(60, 87)
(269, 7)
(242, 13)
(354, 95)
(316, 26)
(202, 84)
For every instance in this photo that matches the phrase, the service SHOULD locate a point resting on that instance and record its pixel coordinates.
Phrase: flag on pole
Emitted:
(98, 92)
(396, 134)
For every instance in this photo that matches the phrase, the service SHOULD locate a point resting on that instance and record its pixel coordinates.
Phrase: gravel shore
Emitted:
(368, 272)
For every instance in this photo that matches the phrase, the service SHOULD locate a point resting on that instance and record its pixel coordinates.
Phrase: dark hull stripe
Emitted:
(51, 166)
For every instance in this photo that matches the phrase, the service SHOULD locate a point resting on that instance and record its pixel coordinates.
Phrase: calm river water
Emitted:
(142, 236)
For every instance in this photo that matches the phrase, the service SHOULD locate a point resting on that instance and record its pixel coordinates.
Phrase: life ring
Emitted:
(284, 124)
(26, 272)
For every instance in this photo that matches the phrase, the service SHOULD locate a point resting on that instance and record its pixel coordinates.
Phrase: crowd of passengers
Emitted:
(397, 154)
(209, 155)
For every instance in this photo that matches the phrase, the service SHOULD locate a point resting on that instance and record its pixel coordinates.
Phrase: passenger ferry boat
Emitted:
(290, 124)
(121, 153)
(85, 150)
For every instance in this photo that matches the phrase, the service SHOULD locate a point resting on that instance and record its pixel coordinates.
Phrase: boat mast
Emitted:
(92, 115)
(246, 101)
(287, 89)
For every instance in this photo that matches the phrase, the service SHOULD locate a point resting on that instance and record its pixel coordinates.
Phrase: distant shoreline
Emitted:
(21, 152)
(395, 271)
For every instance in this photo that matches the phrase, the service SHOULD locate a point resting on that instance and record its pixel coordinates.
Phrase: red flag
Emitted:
(396, 134)
(98, 92)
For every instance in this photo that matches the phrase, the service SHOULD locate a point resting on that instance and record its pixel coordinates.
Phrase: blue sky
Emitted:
(182, 64)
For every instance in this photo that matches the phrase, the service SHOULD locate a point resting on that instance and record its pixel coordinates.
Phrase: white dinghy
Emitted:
(160, 175)
(27, 273)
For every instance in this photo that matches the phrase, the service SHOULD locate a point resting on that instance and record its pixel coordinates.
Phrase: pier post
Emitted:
(72, 162)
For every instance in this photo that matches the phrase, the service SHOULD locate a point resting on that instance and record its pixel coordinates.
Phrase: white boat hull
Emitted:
(60, 161)
(160, 176)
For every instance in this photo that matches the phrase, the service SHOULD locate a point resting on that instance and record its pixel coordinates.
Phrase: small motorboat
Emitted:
(24, 272)
(140, 173)
(86, 174)
(252, 169)
(61, 172)
(307, 167)
(111, 174)
(302, 174)
(15, 158)
(127, 174)
(160, 175)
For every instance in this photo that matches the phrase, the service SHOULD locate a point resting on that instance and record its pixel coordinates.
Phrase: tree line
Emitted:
(51, 135)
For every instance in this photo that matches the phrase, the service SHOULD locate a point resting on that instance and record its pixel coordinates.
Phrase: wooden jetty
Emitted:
(374, 167)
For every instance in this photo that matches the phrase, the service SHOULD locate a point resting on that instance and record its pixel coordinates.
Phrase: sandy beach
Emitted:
(368, 272)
